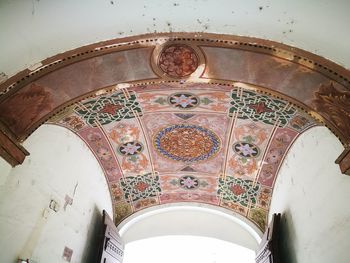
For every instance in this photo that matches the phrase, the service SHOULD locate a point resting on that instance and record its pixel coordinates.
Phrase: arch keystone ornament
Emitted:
(178, 60)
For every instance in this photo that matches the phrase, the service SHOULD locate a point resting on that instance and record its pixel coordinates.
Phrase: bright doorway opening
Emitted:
(186, 249)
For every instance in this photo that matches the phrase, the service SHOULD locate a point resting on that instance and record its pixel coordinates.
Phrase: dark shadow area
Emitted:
(91, 249)
(287, 238)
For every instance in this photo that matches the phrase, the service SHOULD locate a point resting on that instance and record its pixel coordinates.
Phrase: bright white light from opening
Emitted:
(186, 249)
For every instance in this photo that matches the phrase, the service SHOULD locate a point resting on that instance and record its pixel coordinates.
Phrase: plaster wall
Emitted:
(5, 169)
(34, 30)
(59, 165)
(312, 195)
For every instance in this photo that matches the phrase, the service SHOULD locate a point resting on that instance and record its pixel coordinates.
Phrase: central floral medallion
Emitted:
(187, 143)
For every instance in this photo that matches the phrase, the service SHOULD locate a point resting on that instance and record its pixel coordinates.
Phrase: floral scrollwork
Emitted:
(336, 105)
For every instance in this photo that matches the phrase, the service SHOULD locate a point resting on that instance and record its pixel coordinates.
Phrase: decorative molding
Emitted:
(295, 55)
(334, 104)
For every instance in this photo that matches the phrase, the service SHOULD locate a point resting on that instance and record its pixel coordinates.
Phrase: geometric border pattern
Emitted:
(106, 109)
(257, 107)
(238, 190)
(140, 187)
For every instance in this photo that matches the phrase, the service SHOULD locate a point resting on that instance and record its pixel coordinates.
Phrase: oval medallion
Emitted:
(187, 143)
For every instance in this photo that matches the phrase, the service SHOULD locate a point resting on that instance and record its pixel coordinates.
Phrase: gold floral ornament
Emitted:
(178, 61)
(336, 104)
(187, 143)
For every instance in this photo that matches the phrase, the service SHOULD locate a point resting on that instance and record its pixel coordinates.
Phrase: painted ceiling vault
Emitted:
(182, 118)
(189, 142)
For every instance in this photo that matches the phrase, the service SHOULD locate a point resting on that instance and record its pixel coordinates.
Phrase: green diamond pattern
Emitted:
(258, 107)
(238, 190)
(106, 109)
(140, 187)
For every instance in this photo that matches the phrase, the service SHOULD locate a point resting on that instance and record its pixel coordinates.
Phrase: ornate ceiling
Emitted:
(173, 142)
(182, 117)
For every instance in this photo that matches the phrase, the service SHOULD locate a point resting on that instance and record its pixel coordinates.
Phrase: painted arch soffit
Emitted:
(188, 142)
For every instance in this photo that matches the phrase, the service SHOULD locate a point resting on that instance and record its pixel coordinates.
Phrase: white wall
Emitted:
(59, 164)
(191, 219)
(31, 31)
(314, 198)
(5, 169)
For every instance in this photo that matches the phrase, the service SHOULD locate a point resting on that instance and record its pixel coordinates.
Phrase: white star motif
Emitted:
(246, 150)
(188, 182)
(130, 148)
(183, 101)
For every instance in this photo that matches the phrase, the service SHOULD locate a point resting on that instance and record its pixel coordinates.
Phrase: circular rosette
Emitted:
(178, 61)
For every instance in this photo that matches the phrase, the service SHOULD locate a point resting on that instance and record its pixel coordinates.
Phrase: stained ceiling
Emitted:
(183, 117)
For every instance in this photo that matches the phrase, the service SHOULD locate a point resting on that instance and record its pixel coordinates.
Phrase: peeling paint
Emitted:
(3, 77)
(67, 201)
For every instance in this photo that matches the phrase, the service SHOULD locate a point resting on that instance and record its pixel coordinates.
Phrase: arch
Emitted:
(191, 219)
(130, 98)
